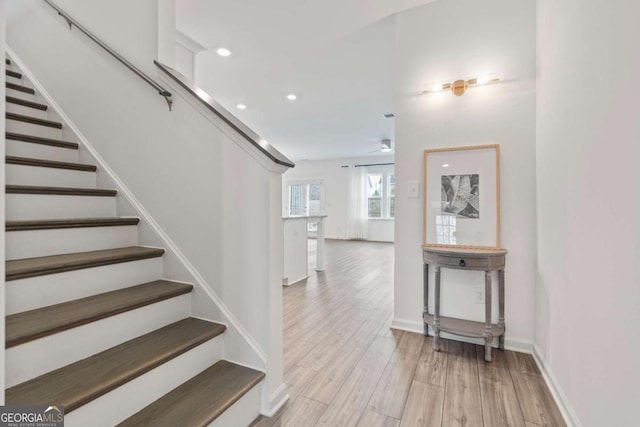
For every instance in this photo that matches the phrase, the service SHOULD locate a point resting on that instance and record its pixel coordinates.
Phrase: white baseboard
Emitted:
(275, 401)
(567, 411)
(407, 325)
(513, 344)
(285, 281)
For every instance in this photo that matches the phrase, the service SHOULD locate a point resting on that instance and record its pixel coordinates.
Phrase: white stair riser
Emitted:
(25, 361)
(22, 81)
(35, 292)
(26, 111)
(116, 406)
(52, 177)
(25, 128)
(243, 412)
(40, 151)
(44, 206)
(35, 243)
(20, 94)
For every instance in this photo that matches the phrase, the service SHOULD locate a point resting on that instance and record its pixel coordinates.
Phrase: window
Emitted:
(305, 199)
(381, 195)
(297, 205)
(315, 199)
(391, 194)
(375, 195)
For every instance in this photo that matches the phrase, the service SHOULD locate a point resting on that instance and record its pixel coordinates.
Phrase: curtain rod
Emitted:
(371, 164)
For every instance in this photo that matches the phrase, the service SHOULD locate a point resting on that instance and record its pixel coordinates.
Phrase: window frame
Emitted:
(390, 196)
(385, 197)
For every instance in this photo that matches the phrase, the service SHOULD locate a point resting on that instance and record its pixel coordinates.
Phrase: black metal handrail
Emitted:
(205, 99)
(73, 23)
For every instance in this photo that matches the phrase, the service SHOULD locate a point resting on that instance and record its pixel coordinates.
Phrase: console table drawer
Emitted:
(462, 262)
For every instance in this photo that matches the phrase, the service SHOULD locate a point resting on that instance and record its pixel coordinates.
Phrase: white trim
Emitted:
(407, 325)
(145, 216)
(189, 43)
(302, 279)
(519, 345)
(567, 411)
(275, 401)
(241, 142)
(513, 344)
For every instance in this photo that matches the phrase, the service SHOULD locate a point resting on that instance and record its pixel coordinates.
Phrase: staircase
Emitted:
(91, 323)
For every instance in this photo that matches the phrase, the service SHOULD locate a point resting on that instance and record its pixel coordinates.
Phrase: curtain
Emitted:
(357, 215)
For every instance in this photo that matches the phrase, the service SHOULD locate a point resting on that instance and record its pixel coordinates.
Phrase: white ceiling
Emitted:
(336, 55)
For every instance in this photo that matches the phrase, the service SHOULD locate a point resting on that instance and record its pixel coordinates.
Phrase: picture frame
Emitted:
(461, 197)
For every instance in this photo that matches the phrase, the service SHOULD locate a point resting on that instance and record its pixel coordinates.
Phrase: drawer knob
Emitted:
(462, 263)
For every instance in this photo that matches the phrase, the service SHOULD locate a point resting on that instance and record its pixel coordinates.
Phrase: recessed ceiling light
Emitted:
(241, 106)
(223, 51)
(292, 97)
(446, 165)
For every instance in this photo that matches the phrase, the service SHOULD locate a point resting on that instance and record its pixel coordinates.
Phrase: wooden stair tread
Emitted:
(33, 120)
(52, 224)
(26, 161)
(59, 191)
(33, 324)
(81, 382)
(15, 74)
(26, 103)
(200, 400)
(40, 140)
(20, 88)
(31, 267)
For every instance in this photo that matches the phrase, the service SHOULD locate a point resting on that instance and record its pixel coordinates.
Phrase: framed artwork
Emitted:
(462, 197)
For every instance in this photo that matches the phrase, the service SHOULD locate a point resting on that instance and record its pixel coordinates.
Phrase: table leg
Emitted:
(501, 306)
(425, 297)
(436, 314)
(488, 333)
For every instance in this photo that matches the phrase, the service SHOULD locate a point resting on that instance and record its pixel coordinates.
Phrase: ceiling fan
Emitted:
(385, 146)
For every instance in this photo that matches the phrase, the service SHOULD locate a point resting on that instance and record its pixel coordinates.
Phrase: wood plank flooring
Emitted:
(344, 366)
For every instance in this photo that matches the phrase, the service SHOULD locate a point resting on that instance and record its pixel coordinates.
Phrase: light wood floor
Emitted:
(344, 366)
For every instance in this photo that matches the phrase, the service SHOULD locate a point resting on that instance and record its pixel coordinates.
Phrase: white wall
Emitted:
(2, 200)
(444, 41)
(166, 30)
(197, 183)
(588, 152)
(136, 22)
(335, 181)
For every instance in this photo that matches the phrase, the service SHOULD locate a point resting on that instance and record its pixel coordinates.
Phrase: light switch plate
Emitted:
(413, 189)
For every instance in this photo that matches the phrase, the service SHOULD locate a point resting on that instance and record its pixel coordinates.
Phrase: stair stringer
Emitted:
(239, 346)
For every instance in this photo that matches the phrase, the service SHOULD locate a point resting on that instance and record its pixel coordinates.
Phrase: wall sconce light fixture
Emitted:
(460, 86)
